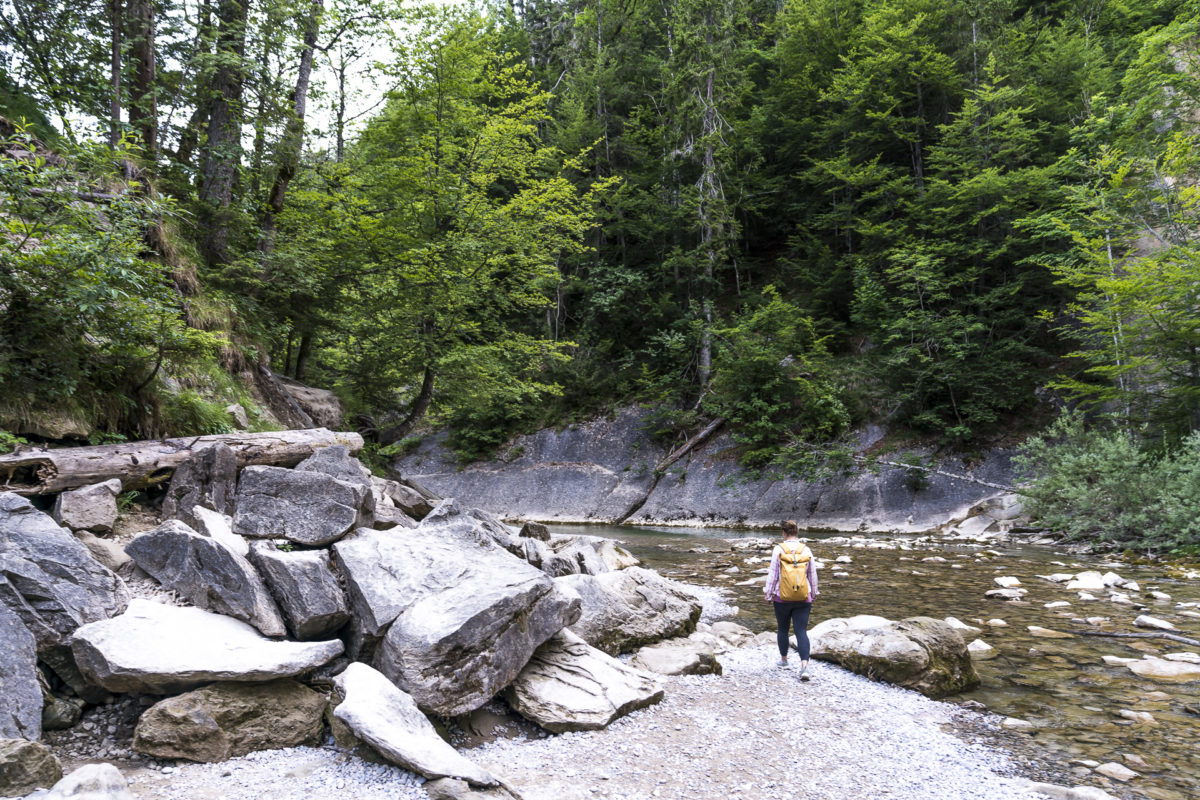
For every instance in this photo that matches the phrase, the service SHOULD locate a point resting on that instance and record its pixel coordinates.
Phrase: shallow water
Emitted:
(1061, 685)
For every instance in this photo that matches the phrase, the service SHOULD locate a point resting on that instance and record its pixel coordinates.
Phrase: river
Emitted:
(1061, 685)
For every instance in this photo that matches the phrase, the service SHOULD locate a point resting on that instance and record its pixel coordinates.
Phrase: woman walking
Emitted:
(792, 586)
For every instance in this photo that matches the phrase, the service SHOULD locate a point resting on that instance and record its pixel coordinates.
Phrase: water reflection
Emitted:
(1063, 686)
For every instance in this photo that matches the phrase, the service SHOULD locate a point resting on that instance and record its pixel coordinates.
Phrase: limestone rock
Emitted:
(388, 719)
(1006, 594)
(855, 623)
(207, 573)
(632, 607)
(1047, 633)
(733, 634)
(1090, 581)
(461, 614)
(1147, 621)
(89, 508)
(322, 406)
(159, 649)
(217, 526)
(1160, 669)
(571, 686)
(25, 766)
(615, 556)
(453, 789)
(20, 692)
(1118, 772)
(1007, 582)
(982, 651)
(224, 720)
(308, 508)
(407, 499)
(48, 577)
(91, 782)
(206, 479)
(535, 530)
(678, 657)
(336, 462)
(304, 586)
(918, 653)
(391, 517)
(110, 554)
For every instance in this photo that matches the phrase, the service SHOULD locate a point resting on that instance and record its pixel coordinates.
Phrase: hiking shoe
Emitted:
(803, 669)
(781, 663)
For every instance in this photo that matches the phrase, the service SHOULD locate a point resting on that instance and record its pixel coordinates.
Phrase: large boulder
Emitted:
(51, 581)
(224, 720)
(88, 508)
(308, 508)
(919, 653)
(389, 721)
(406, 498)
(25, 766)
(91, 782)
(109, 553)
(304, 586)
(207, 573)
(21, 695)
(207, 479)
(217, 526)
(158, 649)
(571, 686)
(628, 608)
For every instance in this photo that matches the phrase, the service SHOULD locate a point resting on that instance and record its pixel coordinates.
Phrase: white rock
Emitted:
(1112, 579)
(1118, 772)
(1187, 657)
(1047, 633)
(955, 622)
(997, 623)
(1131, 586)
(843, 560)
(1057, 604)
(1090, 581)
(91, 782)
(1143, 717)
(1120, 661)
(1056, 792)
(1006, 594)
(1146, 621)
(1085, 596)
(1058, 577)
(982, 651)
(1160, 595)
(1014, 724)
(857, 623)
(216, 525)
(159, 649)
(1007, 582)
(389, 720)
(1167, 671)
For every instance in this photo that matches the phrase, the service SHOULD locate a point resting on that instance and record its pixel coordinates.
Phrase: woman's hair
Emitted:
(790, 528)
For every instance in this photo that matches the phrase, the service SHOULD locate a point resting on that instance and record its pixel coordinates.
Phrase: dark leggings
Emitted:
(795, 614)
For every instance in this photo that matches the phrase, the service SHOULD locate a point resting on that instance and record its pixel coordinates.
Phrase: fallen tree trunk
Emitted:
(149, 463)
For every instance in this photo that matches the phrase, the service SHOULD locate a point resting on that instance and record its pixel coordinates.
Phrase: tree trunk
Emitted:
(223, 151)
(143, 105)
(302, 355)
(293, 133)
(114, 79)
(419, 407)
(142, 464)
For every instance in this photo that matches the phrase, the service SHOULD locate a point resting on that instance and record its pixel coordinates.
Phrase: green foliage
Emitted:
(10, 442)
(187, 413)
(769, 381)
(1100, 483)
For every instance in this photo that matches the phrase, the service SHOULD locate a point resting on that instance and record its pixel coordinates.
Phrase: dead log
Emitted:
(143, 464)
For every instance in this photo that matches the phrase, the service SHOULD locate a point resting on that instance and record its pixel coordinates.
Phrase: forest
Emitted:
(974, 222)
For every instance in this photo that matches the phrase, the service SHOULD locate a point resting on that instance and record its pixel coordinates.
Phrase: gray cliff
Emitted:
(603, 472)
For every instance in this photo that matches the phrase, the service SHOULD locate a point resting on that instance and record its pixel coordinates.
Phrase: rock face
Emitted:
(90, 508)
(225, 720)
(570, 686)
(49, 578)
(207, 573)
(21, 694)
(308, 508)
(458, 615)
(305, 588)
(597, 471)
(207, 479)
(25, 766)
(158, 649)
(918, 653)
(630, 608)
(321, 405)
(389, 720)
(91, 782)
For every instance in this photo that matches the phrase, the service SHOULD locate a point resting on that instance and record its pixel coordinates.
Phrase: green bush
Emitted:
(1099, 483)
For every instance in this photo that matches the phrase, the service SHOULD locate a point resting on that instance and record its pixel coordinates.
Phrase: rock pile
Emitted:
(290, 581)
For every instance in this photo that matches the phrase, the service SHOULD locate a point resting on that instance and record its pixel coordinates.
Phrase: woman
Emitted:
(793, 613)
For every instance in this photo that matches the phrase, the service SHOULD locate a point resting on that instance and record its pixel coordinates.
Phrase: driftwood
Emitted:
(1155, 635)
(149, 463)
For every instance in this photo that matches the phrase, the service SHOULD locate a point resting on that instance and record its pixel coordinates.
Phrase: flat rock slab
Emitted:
(1160, 669)
(303, 584)
(308, 508)
(20, 692)
(570, 686)
(49, 578)
(224, 720)
(626, 609)
(207, 573)
(158, 649)
(25, 766)
(678, 657)
(389, 721)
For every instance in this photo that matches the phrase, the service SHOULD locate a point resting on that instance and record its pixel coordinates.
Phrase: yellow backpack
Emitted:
(793, 572)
